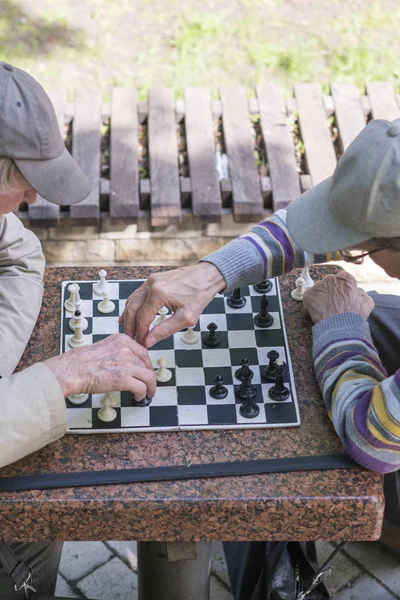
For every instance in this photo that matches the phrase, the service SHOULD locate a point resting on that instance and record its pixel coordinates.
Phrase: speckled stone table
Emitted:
(321, 505)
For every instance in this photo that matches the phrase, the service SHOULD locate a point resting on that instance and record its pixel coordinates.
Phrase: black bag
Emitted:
(277, 570)
(21, 575)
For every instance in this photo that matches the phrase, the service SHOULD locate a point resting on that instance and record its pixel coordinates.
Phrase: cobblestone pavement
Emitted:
(363, 571)
(108, 571)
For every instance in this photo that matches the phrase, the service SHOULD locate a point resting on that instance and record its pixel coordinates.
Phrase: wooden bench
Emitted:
(301, 138)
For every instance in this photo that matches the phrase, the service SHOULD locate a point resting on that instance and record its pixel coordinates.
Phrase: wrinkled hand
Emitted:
(186, 291)
(114, 364)
(337, 294)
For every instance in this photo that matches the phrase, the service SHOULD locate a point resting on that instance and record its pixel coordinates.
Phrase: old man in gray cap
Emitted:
(356, 336)
(33, 160)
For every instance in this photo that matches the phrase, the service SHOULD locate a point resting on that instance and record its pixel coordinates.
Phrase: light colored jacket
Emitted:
(32, 406)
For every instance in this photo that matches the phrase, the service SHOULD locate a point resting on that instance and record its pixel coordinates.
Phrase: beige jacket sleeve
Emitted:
(32, 406)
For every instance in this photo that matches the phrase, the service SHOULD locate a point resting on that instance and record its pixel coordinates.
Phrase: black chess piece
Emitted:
(246, 390)
(145, 402)
(218, 390)
(263, 287)
(236, 300)
(269, 371)
(263, 318)
(240, 373)
(249, 409)
(77, 314)
(279, 392)
(211, 339)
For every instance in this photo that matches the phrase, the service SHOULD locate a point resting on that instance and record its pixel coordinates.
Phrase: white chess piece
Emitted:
(163, 312)
(102, 284)
(106, 306)
(78, 339)
(107, 413)
(298, 292)
(308, 281)
(78, 306)
(78, 398)
(162, 373)
(69, 304)
(189, 336)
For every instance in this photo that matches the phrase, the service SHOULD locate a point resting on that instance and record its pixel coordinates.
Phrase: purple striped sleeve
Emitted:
(279, 234)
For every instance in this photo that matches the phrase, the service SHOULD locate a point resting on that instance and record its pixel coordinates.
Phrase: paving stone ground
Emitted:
(363, 571)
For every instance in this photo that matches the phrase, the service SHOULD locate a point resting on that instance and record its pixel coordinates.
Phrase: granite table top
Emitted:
(320, 505)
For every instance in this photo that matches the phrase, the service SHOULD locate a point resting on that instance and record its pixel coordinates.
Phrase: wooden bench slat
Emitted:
(163, 155)
(383, 100)
(124, 166)
(281, 158)
(44, 212)
(349, 112)
(315, 131)
(206, 194)
(86, 151)
(246, 188)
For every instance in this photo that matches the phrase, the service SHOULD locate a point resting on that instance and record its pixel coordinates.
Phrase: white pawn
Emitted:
(69, 304)
(113, 397)
(162, 373)
(78, 306)
(106, 306)
(102, 284)
(298, 292)
(78, 339)
(107, 413)
(163, 312)
(78, 398)
(189, 336)
(305, 275)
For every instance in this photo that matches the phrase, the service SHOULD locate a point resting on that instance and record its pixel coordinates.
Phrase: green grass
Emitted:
(145, 43)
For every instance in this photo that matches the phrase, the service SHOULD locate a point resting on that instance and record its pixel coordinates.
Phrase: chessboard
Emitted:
(184, 402)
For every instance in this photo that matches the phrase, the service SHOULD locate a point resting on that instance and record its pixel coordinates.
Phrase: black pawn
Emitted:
(243, 370)
(236, 300)
(263, 318)
(269, 371)
(145, 402)
(279, 392)
(263, 287)
(218, 391)
(246, 390)
(211, 339)
(249, 409)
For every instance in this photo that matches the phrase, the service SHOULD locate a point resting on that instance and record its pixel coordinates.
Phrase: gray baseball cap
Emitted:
(360, 201)
(30, 135)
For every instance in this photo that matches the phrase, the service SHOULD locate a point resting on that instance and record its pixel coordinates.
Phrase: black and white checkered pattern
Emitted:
(184, 402)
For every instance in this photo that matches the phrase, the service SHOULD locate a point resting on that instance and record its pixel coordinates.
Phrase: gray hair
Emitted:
(11, 178)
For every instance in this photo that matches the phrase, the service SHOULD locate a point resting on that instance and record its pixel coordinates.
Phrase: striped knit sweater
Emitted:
(363, 403)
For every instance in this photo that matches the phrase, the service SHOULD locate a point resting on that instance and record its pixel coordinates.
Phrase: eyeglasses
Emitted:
(358, 259)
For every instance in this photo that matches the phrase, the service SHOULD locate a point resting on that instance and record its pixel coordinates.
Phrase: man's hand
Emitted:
(337, 294)
(186, 291)
(114, 364)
